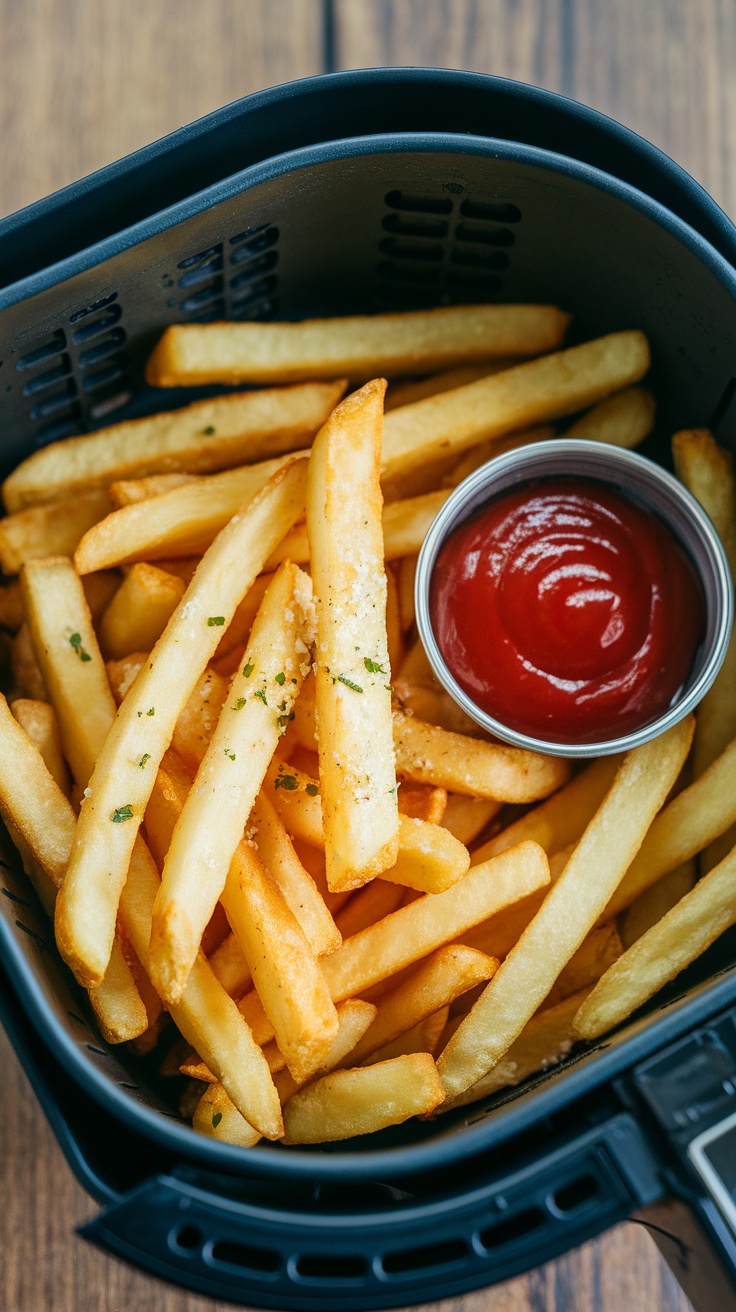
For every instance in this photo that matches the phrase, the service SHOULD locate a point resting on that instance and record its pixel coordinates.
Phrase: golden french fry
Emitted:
(217, 1117)
(431, 704)
(405, 525)
(407, 567)
(423, 1037)
(301, 894)
(690, 927)
(527, 394)
(544, 1041)
(295, 796)
(698, 815)
(353, 695)
(430, 859)
(367, 906)
(467, 817)
(433, 920)
(394, 632)
(423, 802)
(351, 1102)
(126, 767)
(184, 521)
(126, 491)
(598, 950)
(116, 1002)
(623, 419)
(443, 976)
(230, 966)
(12, 610)
(39, 721)
(139, 611)
(354, 1017)
(99, 589)
(28, 681)
(562, 818)
(485, 451)
(246, 426)
(429, 754)
(360, 346)
(49, 530)
(569, 911)
(230, 776)
(73, 670)
(656, 901)
(403, 393)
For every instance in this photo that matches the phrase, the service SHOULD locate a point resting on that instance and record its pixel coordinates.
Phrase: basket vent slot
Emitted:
(576, 1193)
(513, 1228)
(232, 280)
(442, 250)
(50, 376)
(422, 1259)
(313, 1266)
(229, 1253)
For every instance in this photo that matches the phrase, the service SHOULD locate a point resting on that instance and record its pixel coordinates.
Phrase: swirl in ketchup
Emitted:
(567, 612)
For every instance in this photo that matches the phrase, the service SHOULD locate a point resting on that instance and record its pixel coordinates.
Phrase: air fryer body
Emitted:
(365, 223)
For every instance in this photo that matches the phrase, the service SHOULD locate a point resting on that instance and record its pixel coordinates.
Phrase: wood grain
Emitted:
(85, 81)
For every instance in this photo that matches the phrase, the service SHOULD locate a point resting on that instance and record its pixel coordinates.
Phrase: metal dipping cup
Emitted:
(639, 480)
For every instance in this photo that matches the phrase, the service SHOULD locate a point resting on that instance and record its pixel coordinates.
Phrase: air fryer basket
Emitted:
(370, 222)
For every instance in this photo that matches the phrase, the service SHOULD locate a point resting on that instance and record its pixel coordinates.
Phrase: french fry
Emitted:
(353, 696)
(569, 911)
(123, 673)
(28, 681)
(217, 1117)
(423, 1037)
(231, 968)
(12, 611)
(196, 721)
(394, 631)
(443, 976)
(73, 670)
(423, 802)
(433, 920)
(120, 785)
(559, 820)
(182, 522)
(685, 932)
(485, 451)
(39, 721)
(247, 426)
(49, 530)
(359, 346)
(139, 611)
(238, 630)
(529, 393)
(544, 1042)
(367, 906)
(99, 589)
(623, 419)
(430, 859)
(407, 568)
(229, 778)
(351, 1102)
(405, 525)
(597, 952)
(403, 393)
(126, 491)
(467, 817)
(428, 754)
(277, 853)
(656, 901)
(354, 1016)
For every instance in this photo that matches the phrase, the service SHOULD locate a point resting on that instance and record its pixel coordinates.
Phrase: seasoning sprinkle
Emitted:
(215, 621)
(121, 813)
(343, 678)
(76, 642)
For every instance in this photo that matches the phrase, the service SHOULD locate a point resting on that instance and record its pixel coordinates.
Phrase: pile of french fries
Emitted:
(279, 858)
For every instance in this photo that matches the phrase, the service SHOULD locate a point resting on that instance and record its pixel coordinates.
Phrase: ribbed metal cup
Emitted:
(641, 481)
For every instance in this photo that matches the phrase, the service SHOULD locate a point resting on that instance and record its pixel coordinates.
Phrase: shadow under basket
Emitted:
(443, 188)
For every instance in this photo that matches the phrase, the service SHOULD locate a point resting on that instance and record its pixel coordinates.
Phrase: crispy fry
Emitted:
(697, 920)
(485, 451)
(407, 567)
(656, 901)
(359, 346)
(39, 721)
(126, 491)
(423, 802)
(229, 778)
(247, 426)
(49, 530)
(530, 393)
(423, 1037)
(217, 1117)
(624, 419)
(28, 681)
(12, 611)
(277, 853)
(467, 817)
(182, 522)
(368, 905)
(99, 589)
(403, 393)
(347, 1103)
(120, 786)
(353, 697)
(569, 911)
(430, 859)
(231, 968)
(139, 611)
(428, 754)
(598, 950)
(394, 632)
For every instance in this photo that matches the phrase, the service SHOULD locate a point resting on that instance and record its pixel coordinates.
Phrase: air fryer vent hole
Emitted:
(419, 1259)
(576, 1193)
(188, 1237)
(230, 1253)
(406, 200)
(244, 291)
(313, 1266)
(97, 326)
(484, 236)
(41, 381)
(492, 211)
(91, 309)
(44, 350)
(514, 1227)
(403, 250)
(416, 227)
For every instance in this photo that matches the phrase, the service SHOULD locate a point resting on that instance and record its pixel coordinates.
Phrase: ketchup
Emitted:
(567, 612)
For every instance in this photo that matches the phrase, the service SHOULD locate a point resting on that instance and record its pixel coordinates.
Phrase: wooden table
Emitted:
(85, 81)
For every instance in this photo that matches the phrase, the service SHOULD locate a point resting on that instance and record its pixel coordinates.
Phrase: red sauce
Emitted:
(567, 612)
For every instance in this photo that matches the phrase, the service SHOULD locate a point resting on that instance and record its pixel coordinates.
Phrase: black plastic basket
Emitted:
(356, 192)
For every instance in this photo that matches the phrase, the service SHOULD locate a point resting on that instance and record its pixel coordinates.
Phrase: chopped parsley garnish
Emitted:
(121, 813)
(215, 621)
(261, 693)
(343, 678)
(76, 641)
(208, 431)
(248, 670)
(372, 666)
(145, 757)
(152, 711)
(239, 704)
(230, 754)
(280, 679)
(312, 789)
(287, 781)
(283, 720)
(216, 1120)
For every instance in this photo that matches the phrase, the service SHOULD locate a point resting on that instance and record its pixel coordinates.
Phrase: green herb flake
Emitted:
(121, 813)
(372, 666)
(231, 755)
(280, 679)
(152, 711)
(239, 704)
(215, 621)
(260, 693)
(343, 678)
(216, 1120)
(287, 781)
(312, 789)
(76, 641)
(145, 757)
(209, 431)
(248, 670)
